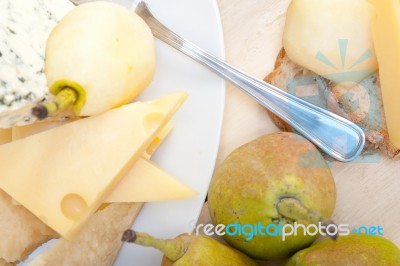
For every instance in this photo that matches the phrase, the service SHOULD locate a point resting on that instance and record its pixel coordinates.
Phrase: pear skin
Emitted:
(93, 65)
(353, 249)
(277, 178)
(187, 250)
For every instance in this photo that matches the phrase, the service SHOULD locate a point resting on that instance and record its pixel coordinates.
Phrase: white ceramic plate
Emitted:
(189, 153)
(190, 150)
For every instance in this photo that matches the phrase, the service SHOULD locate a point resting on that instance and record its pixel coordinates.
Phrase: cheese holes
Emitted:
(73, 206)
(152, 121)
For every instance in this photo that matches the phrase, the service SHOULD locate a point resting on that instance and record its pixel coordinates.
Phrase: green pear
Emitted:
(354, 249)
(276, 180)
(99, 56)
(187, 250)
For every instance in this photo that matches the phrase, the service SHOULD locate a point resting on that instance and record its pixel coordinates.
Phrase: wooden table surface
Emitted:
(367, 193)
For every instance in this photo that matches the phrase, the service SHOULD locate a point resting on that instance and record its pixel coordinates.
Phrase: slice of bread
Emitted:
(21, 232)
(99, 241)
(360, 104)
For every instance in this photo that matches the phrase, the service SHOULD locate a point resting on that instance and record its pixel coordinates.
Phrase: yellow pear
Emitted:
(187, 250)
(99, 56)
(267, 185)
(331, 38)
(354, 249)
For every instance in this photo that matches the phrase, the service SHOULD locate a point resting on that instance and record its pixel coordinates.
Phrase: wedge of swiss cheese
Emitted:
(63, 175)
(145, 181)
(386, 37)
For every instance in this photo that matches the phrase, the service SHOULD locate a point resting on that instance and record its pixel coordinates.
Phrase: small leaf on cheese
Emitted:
(75, 167)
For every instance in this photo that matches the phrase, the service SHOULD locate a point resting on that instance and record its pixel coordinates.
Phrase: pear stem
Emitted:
(65, 98)
(292, 208)
(173, 249)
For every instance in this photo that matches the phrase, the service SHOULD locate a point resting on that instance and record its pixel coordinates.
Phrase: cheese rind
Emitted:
(386, 37)
(5, 135)
(73, 168)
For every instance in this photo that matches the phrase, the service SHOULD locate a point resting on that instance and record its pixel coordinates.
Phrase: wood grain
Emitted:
(368, 192)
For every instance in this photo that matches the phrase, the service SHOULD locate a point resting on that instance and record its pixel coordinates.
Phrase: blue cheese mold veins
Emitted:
(24, 29)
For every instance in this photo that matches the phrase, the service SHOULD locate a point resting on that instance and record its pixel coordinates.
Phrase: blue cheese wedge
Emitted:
(24, 28)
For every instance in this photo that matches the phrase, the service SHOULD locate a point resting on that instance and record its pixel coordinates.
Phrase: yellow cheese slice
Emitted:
(5, 135)
(145, 181)
(158, 140)
(149, 183)
(386, 38)
(19, 132)
(73, 168)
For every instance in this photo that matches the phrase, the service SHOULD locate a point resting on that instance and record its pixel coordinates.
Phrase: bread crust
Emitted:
(369, 114)
(97, 243)
(21, 232)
